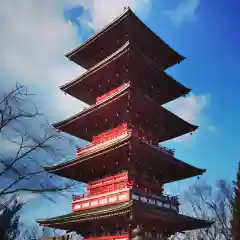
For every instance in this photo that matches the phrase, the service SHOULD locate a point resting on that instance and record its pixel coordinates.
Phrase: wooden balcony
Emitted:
(109, 190)
(106, 185)
(100, 200)
(119, 237)
(104, 139)
(116, 134)
(119, 188)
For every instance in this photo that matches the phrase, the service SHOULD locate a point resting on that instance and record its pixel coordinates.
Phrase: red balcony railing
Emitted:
(111, 134)
(110, 93)
(123, 129)
(106, 185)
(104, 138)
(104, 189)
(108, 180)
(118, 237)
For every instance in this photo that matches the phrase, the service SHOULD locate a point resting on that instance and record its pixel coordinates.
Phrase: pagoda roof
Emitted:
(111, 72)
(176, 222)
(164, 166)
(179, 222)
(113, 111)
(126, 27)
(86, 215)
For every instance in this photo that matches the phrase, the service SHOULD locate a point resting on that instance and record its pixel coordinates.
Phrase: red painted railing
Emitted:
(102, 200)
(78, 197)
(114, 134)
(111, 134)
(104, 189)
(105, 137)
(112, 179)
(119, 237)
(112, 92)
(105, 185)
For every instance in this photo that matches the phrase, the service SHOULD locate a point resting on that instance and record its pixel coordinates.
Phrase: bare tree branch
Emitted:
(213, 204)
(29, 142)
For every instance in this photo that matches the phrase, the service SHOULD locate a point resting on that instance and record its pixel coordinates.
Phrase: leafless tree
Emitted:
(236, 207)
(37, 233)
(9, 219)
(27, 143)
(211, 203)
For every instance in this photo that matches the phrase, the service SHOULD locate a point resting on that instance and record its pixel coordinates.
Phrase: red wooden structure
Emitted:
(124, 165)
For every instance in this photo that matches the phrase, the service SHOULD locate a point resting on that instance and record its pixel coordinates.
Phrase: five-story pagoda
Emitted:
(124, 165)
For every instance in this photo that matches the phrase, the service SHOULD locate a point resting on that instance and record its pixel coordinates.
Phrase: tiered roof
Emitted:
(113, 111)
(95, 164)
(127, 27)
(127, 64)
(162, 219)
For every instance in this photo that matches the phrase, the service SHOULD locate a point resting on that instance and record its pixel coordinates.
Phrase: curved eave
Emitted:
(101, 114)
(98, 34)
(181, 169)
(73, 84)
(97, 213)
(172, 221)
(181, 222)
(60, 125)
(80, 159)
(116, 29)
(97, 75)
(174, 169)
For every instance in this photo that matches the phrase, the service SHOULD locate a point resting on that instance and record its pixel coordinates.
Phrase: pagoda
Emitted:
(124, 164)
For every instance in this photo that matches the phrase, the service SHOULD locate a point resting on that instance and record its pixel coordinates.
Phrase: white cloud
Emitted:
(104, 11)
(34, 38)
(184, 11)
(34, 34)
(191, 109)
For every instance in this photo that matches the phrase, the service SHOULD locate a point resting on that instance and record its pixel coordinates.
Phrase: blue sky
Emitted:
(36, 34)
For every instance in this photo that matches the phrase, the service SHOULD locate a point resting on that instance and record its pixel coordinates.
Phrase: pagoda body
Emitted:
(124, 165)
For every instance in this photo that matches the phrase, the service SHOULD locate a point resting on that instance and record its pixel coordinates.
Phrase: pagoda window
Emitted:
(167, 205)
(174, 207)
(159, 203)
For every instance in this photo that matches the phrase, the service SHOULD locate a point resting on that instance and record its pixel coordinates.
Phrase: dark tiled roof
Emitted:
(179, 169)
(99, 212)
